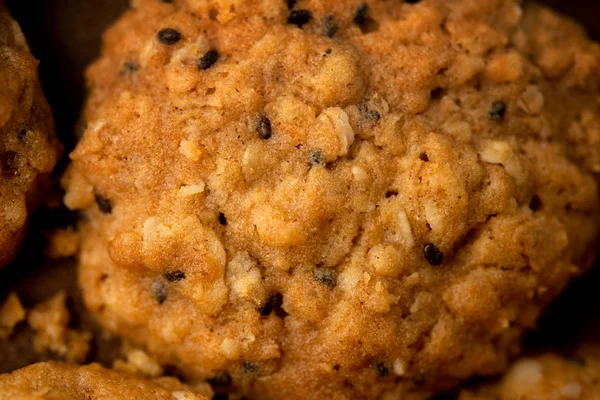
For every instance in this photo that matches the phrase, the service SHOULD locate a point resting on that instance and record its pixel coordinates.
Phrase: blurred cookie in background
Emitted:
(546, 377)
(56, 381)
(29, 149)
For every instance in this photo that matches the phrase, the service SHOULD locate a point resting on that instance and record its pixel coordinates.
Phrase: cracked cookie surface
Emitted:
(321, 199)
(28, 148)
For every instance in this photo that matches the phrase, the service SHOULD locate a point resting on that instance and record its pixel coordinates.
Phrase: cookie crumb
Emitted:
(50, 321)
(138, 362)
(11, 313)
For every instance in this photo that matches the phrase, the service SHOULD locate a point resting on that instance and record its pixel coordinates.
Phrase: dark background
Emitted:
(65, 35)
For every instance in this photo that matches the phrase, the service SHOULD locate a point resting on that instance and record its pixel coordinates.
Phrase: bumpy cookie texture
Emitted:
(547, 377)
(321, 199)
(28, 147)
(55, 381)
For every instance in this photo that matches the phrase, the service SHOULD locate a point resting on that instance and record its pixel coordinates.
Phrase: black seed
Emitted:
(536, 203)
(104, 204)
(299, 17)
(266, 308)
(382, 370)
(222, 379)
(316, 158)
(8, 164)
(497, 111)
(208, 59)
(263, 127)
(326, 276)
(373, 115)
(160, 291)
(250, 368)
(360, 15)
(273, 303)
(222, 219)
(169, 36)
(329, 27)
(424, 157)
(22, 134)
(369, 114)
(432, 254)
(291, 3)
(129, 67)
(175, 276)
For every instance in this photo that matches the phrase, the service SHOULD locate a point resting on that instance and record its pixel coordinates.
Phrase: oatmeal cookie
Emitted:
(547, 377)
(56, 381)
(319, 199)
(28, 148)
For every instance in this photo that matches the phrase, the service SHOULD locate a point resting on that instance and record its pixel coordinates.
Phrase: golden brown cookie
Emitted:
(55, 381)
(546, 377)
(28, 148)
(318, 199)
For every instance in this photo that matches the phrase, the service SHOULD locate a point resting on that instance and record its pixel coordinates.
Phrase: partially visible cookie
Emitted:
(547, 377)
(56, 381)
(28, 147)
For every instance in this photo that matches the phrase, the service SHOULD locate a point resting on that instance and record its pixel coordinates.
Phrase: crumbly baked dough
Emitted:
(320, 199)
(546, 377)
(28, 148)
(56, 381)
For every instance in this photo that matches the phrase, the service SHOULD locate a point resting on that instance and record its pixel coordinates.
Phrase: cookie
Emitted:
(28, 148)
(320, 199)
(546, 377)
(56, 381)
